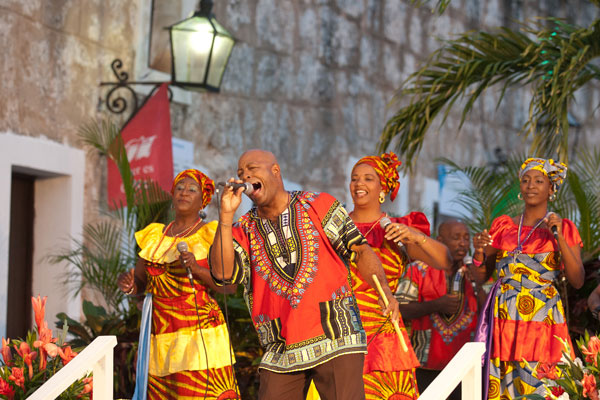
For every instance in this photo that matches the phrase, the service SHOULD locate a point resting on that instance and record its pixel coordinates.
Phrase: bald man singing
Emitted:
(290, 252)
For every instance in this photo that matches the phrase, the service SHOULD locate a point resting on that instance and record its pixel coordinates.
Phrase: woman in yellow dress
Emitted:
(187, 353)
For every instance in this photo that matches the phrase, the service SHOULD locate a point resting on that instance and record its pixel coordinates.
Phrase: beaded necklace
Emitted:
(181, 234)
(519, 249)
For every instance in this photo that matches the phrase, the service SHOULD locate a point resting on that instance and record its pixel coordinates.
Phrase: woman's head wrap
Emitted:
(207, 185)
(386, 167)
(554, 170)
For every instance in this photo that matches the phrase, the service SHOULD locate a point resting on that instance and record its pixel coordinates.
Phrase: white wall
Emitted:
(58, 206)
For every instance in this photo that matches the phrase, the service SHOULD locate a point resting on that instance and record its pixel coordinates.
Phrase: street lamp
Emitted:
(200, 50)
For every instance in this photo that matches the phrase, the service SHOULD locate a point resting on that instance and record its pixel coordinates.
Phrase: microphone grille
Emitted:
(182, 246)
(467, 260)
(385, 221)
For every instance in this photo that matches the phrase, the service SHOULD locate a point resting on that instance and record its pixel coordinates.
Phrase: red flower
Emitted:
(592, 350)
(556, 390)
(25, 352)
(589, 386)
(39, 308)
(6, 389)
(67, 355)
(46, 344)
(6, 355)
(87, 387)
(17, 377)
(546, 371)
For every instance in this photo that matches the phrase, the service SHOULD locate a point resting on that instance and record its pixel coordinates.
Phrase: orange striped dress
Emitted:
(389, 372)
(179, 351)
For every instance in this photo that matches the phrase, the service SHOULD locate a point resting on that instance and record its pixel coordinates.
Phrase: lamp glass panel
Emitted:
(192, 41)
(222, 50)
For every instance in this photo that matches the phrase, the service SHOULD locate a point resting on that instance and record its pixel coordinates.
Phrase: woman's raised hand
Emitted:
(481, 240)
(399, 232)
(126, 281)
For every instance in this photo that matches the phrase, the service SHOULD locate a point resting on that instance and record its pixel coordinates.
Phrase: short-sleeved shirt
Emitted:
(296, 281)
(436, 338)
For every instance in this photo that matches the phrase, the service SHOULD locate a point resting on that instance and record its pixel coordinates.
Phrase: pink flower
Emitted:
(25, 352)
(546, 371)
(6, 389)
(589, 386)
(67, 354)
(39, 308)
(6, 354)
(17, 377)
(592, 350)
(46, 344)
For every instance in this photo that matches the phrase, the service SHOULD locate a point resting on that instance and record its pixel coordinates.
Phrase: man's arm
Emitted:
(447, 304)
(368, 264)
(222, 253)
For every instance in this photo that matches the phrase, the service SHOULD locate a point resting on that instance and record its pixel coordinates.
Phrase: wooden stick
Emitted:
(394, 322)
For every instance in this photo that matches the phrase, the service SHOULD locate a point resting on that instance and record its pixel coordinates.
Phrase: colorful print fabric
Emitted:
(297, 284)
(528, 312)
(178, 362)
(388, 371)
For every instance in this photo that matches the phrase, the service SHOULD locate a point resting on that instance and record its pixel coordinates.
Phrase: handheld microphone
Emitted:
(248, 187)
(457, 280)
(183, 247)
(468, 262)
(554, 230)
(385, 221)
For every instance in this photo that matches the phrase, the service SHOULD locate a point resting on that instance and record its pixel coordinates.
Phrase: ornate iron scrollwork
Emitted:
(115, 101)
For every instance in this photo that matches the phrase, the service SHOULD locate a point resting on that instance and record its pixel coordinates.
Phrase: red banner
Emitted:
(147, 139)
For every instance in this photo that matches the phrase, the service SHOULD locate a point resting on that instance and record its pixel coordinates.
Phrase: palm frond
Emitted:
(554, 61)
(440, 7)
(98, 259)
(490, 192)
(98, 134)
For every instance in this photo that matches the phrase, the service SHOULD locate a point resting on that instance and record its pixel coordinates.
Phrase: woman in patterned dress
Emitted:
(389, 371)
(189, 354)
(525, 312)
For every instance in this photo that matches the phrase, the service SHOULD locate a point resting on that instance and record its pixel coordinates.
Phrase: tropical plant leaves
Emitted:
(550, 56)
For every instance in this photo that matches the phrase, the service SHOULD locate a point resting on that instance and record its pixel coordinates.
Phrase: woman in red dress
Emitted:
(525, 313)
(389, 371)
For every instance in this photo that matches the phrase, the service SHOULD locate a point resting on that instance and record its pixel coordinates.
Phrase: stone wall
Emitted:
(309, 80)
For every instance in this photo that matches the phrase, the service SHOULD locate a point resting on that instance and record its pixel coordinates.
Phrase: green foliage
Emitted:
(553, 58)
(491, 193)
(244, 340)
(573, 376)
(440, 7)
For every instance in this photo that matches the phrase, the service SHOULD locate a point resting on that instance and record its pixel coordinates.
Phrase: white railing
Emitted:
(96, 357)
(465, 366)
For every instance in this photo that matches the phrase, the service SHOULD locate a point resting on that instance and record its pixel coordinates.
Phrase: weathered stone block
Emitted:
(271, 17)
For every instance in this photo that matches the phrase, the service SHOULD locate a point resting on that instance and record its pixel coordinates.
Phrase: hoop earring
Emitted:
(381, 197)
(552, 197)
(520, 196)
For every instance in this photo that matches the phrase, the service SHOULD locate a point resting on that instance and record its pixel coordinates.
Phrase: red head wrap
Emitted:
(206, 184)
(386, 167)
